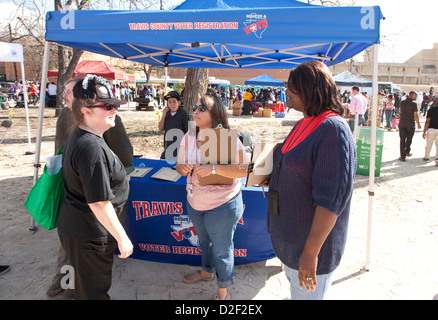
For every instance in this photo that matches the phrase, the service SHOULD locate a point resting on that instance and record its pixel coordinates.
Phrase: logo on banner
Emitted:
(256, 24)
(183, 229)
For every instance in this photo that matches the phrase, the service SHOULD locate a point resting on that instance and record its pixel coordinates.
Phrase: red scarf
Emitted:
(304, 128)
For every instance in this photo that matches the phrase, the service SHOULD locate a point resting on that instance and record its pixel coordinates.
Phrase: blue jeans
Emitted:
(361, 121)
(296, 293)
(215, 229)
(388, 116)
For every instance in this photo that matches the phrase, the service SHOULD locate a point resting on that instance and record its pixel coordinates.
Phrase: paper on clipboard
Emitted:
(260, 167)
(167, 174)
(140, 172)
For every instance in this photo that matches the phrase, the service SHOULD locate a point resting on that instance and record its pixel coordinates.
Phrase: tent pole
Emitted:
(356, 126)
(372, 154)
(26, 107)
(45, 68)
(165, 85)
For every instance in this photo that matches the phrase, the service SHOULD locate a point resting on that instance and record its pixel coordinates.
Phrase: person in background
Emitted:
(430, 132)
(312, 183)
(408, 117)
(33, 94)
(388, 108)
(173, 117)
(213, 209)
(397, 101)
(51, 92)
(247, 97)
(358, 107)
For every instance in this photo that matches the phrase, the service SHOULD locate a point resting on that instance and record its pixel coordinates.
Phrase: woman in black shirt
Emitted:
(90, 220)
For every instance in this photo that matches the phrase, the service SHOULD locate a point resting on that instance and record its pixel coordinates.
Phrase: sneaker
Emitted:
(402, 159)
(196, 277)
(227, 297)
(4, 269)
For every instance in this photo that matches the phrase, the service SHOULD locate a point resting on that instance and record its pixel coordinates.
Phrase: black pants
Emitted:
(246, 107)
(406, 135)
(92, 263)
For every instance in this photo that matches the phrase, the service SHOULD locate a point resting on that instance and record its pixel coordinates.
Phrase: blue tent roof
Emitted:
(278, 36)
(236, 4)
(264, 80)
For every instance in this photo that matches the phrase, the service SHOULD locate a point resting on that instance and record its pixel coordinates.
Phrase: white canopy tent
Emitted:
(13, 52)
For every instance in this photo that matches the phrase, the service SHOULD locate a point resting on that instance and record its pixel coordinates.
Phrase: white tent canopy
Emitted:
(13, 52)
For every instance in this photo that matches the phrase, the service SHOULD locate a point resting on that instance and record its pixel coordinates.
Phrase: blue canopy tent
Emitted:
(272, 36)
(348, 78)
(277, 34)
(264, 80)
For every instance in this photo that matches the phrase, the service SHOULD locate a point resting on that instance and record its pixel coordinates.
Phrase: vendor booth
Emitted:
(99, 68)
(158, 224)
(237, 34)
(264, 80)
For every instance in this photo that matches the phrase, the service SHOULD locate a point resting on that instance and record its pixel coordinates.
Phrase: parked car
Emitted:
(4, 85)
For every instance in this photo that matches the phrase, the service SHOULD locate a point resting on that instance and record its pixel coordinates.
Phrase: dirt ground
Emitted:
(404, 234)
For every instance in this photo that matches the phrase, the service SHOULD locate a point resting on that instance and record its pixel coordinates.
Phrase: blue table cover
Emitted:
(158, 224)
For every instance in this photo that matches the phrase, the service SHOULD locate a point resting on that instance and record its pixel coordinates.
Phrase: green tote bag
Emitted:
(45, 198)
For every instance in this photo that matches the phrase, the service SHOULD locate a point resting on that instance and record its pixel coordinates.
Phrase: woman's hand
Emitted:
(105, 214)
(203, 170)
(322, 225)
(125, 247)
(307, 271)
(265, 183)
(184, 169)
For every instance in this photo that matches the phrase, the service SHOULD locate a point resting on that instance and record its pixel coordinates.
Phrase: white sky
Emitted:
(409, 27)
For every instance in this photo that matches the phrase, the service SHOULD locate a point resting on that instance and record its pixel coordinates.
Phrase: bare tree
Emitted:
(196, 83)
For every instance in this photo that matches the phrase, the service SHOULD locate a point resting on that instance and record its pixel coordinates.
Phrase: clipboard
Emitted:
(166, 173)
(140, 172)
(260, 167)
(220, 150)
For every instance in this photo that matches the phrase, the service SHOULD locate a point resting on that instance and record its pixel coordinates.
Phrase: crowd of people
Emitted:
(251, 97)
(401, 112)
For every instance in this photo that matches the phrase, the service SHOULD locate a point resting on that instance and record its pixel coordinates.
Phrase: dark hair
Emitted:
(313, 82)
(82, 98)
(356, 88)
(216, 107)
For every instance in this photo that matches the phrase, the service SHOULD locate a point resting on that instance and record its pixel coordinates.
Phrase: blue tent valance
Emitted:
(228, 36)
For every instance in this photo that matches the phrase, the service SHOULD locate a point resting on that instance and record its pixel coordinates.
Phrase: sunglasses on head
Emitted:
(200, 108)
(106, 106)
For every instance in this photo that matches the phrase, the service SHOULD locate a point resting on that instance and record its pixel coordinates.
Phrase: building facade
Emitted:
(420, 69)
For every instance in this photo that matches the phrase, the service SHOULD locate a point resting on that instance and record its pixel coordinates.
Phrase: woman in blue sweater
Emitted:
(311, 184)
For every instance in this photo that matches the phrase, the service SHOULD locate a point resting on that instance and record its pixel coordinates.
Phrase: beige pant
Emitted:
(431, 137)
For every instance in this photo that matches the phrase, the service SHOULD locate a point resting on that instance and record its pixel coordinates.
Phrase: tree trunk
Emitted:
(66, 64)
(196, 83)
(65, 72)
